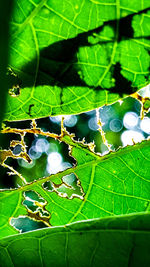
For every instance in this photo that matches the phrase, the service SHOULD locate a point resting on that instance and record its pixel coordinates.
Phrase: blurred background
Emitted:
(121, 123)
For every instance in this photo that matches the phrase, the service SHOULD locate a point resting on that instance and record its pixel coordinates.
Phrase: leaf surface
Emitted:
(115, 184)
(70, 57)
(116, 241)
(5, 12)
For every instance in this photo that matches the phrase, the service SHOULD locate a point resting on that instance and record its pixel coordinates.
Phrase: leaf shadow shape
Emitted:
(57, 63)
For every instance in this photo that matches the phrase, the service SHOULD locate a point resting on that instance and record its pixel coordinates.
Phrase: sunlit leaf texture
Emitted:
(115, 184)
(67, 57)
(121, 241)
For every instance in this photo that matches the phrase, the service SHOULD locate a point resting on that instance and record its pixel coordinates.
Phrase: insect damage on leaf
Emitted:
(71, 58)
(143, 96)
(37, 215)
(102, 133)
(70, 187)
(4, 154)
(19, 151)
(15, 91)
(13, 83)
(88, 183)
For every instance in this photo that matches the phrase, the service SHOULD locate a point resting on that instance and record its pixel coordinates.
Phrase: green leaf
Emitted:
(115, 184)
(116, 241)
(70, 57)
(5, 11)
(124, 62)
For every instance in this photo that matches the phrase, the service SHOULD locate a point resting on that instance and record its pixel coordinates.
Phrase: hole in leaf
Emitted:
(37, 217)
(69, 188)
(25, 224)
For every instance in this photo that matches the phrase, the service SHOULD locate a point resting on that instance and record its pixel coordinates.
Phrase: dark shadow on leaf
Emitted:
(58, 62)
(122, 83)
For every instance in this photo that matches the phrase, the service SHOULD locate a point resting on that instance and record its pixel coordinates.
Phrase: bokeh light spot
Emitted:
(54, 162)
(145, 125)
(25, 164)
(70, 120)
(42, 145)
(115, 125)
(92, 123)
(33, 153)
(130, 137)
(130, 120)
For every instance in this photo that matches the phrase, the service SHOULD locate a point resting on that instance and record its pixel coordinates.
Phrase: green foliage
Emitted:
(67, 57)
(122, 240)
(5, 9)
(70, 57)
(115, 184)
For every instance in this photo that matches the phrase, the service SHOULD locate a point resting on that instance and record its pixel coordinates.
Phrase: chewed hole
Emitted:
(69, 179)
(25, 224)
(33, 196)
(69, 120)
(70, 187)
(49, 156)
(37, 215)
